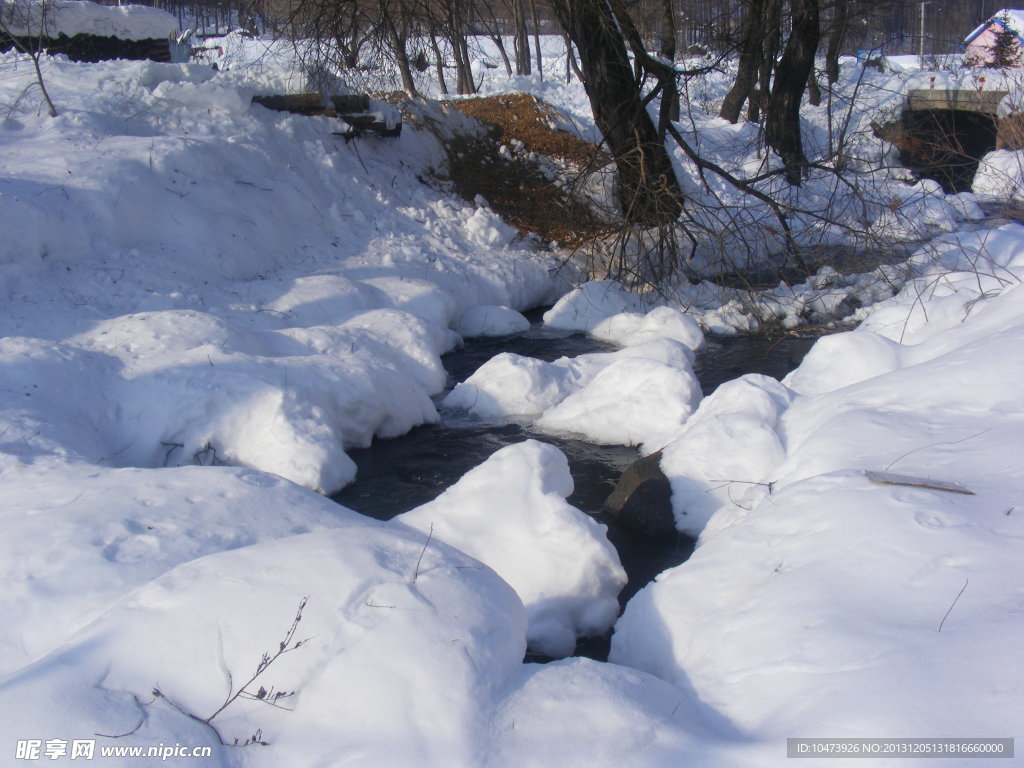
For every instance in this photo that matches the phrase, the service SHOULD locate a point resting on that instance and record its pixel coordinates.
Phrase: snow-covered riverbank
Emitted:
(190, 280)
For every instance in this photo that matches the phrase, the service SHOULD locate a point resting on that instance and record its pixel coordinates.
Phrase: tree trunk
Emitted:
(835, 42)
(439, 62)
(647, 184)
(571, 65)
(782, 119)
(536, 40)
(813, 91)
(667, 49)
(751, 46)
(521, 41)
(397, 43)
(766, 67)
(463, 65)
(500, 45)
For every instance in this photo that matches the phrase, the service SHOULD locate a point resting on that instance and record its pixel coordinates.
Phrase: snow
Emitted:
(727, 450)
(865, 572)
(490, 320)
(510, 513)
(283, 325)
(1000, 176)
(98, 533)
(206, 304)
(585, 307)
(83, 17)
(602, 396)
(629, 328)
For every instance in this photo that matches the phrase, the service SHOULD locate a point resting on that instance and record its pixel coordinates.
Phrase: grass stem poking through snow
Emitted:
(419, 559)
(955, 599)
(932, 445)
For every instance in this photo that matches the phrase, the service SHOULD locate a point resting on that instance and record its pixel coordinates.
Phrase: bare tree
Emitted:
(667, 40)
(751, 53)
(25, 26)
(521, 39)
(393, 21)
(769, 56)
(649, 191)
(836, 34)
(782, 118)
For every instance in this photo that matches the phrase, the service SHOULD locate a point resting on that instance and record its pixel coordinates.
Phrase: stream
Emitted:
(397, 475)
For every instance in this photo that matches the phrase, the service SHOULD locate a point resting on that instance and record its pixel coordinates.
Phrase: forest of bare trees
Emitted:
(894, 26)
(629, 55)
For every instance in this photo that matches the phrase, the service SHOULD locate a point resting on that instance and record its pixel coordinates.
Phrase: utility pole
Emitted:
(920, 49)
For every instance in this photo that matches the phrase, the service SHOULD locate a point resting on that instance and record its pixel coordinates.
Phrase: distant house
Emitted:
(87, 31)
(982, 45)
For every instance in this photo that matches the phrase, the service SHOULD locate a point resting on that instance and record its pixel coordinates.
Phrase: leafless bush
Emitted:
(25, 24)
(244, 691)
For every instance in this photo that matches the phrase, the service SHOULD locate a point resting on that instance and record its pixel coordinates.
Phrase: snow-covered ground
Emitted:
(205, 303)
(83, 17)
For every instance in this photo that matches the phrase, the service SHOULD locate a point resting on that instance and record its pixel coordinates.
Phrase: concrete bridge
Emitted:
(960, 100)
(943, 133)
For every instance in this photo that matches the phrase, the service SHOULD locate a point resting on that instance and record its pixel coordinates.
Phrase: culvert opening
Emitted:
(946, 145)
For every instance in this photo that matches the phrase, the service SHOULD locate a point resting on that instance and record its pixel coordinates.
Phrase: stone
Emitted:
(1011, 133)
(642, 499)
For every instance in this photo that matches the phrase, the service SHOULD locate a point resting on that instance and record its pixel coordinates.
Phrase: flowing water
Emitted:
(397, 475)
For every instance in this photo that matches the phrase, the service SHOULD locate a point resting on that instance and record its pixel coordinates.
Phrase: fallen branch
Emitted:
(890, 478)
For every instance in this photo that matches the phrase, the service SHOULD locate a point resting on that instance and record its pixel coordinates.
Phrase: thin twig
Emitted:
(284, 646)
(932, 445)
(142, 719)
(952, 604)
(426, 544)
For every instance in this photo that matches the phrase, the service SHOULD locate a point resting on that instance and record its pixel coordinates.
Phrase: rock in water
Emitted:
(642, 499)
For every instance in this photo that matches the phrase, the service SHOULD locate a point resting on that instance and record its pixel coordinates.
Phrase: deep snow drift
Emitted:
(205, 303)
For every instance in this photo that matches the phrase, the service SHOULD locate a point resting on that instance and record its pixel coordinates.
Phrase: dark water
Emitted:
(946, 145)
(397, 475)
(726, 359)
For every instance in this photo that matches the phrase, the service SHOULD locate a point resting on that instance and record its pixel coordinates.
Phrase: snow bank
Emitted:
(511, 513)
(605, 396)
(491, 321)
(585, 307)
(840, 605)
(724, 453)
(1000, 176)
(640, 398)
(232, 285)
(406, 653)
(379, 602)
(560, 714)
(629, 328)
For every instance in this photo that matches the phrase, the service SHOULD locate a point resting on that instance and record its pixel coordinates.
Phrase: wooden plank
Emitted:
(350, 103)
(891, 478)
(353, 109)
(298, 103)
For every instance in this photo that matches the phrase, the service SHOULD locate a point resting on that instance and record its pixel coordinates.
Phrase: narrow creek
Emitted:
(397, 475)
